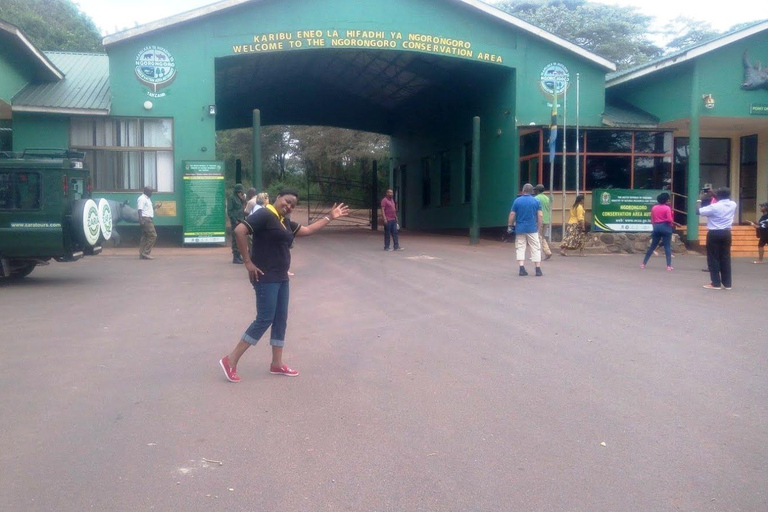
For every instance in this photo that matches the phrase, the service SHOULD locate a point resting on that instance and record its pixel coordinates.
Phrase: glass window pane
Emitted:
(529, 143)
(653, 142)
(158, 133)
(715, 151)
(81, 132)
(652, 173)
(28, 189)
(165, 171)
(608, 172)
(599, 141)
(570, 182)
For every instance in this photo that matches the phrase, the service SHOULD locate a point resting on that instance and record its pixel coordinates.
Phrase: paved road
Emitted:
(432, 379)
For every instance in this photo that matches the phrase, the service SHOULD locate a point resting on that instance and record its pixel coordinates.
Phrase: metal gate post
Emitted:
(374, 196)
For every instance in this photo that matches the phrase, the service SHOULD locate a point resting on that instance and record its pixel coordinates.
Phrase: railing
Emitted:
(680, 215)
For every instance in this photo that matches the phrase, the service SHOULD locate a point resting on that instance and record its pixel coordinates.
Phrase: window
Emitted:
(6, 135)
(426, 181)
(445, 178)
(653, 173)
(608, 172)
(126, 154)
(20, 190)
(608, 142)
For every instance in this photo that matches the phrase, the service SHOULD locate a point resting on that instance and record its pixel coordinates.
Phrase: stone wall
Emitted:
(630, 243)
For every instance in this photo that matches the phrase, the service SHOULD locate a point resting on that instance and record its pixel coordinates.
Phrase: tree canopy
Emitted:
(53, 25)
(619, 34)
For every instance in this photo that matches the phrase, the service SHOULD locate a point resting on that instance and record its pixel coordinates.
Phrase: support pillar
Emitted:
(258, 179)
(375, 196)
(474, 225)
(694, 146)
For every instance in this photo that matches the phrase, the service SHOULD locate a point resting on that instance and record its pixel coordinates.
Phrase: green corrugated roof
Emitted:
(620, 114)
(84, 89)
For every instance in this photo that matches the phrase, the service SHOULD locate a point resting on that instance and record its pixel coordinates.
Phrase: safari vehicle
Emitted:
(46, 211)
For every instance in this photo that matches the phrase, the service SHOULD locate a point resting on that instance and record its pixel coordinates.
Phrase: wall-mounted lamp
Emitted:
(148, 105)
(211, 110)
(498, 132)
(709, 101)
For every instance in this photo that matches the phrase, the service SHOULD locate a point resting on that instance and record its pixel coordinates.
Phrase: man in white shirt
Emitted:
(146, 220)
(719, 221)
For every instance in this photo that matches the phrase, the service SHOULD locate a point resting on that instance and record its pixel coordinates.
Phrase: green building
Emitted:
(420, 71)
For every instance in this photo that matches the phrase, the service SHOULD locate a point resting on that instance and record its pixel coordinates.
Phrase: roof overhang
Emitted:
(61, 111)
(476, 4)
(680, 57)
(18, 39)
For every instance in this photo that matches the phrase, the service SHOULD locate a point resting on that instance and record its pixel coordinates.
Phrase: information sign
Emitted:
(623, 210)
(204, 202)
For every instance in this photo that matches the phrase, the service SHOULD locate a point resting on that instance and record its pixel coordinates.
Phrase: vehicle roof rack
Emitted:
(52, 153)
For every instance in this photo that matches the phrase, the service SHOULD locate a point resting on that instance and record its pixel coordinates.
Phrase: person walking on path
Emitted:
(236, 213)
(391, 227)
(544, 229)
(146, 220)
(525, 218)
(762, 232)
(719, 222)
(267, 266)
(663, 227)
(575, 230)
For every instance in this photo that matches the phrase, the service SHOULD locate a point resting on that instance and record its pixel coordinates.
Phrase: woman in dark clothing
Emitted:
(267, 266)
(663, 227)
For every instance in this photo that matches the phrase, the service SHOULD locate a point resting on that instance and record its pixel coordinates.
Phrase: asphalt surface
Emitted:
(432, 379)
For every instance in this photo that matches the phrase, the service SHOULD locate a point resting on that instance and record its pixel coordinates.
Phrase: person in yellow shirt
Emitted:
(575, 231)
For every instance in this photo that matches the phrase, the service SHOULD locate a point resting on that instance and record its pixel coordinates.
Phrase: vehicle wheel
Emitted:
(24, 271)
(85, 221)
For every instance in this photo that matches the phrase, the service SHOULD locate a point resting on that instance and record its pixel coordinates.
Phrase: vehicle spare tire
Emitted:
(105, 218)
(85, 221)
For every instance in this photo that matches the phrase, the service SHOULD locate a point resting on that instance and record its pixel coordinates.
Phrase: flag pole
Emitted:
(552, 147)
(578, 159)
(565, 106)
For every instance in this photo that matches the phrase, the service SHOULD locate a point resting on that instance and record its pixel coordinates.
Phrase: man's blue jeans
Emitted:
(390, 227)
(271, 310)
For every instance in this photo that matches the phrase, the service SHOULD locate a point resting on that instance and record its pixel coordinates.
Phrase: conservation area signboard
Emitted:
(622, 209)
(204, 202)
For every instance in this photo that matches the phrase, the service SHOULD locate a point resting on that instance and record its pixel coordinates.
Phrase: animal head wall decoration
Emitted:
(755, 77)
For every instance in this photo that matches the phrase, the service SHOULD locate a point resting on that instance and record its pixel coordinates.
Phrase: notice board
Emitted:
(204, 202)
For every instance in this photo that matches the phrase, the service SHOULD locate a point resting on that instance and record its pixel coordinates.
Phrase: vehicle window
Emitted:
(20, 190)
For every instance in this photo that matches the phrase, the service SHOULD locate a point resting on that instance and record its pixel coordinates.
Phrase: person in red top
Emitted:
(663, 227)
(389, 212)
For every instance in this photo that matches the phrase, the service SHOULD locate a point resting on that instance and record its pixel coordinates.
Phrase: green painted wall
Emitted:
(667, 93)
(40, 131)
(510, 58)
(664, 94)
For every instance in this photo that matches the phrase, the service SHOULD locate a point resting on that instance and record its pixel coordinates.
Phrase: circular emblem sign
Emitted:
(105, 218)
(554, 78)
(605, 198)
(91, 226)
(155, 68)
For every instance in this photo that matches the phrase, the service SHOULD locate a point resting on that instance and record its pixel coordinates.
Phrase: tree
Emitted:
(53, 25)
(683, 32)
(619, 34)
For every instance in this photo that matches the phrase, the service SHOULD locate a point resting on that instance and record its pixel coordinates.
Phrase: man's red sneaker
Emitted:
(228, 370)
(283, 370)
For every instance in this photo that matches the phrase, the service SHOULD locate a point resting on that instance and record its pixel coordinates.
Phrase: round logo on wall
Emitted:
(554, 78)
(155, 68)
(605, 198)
